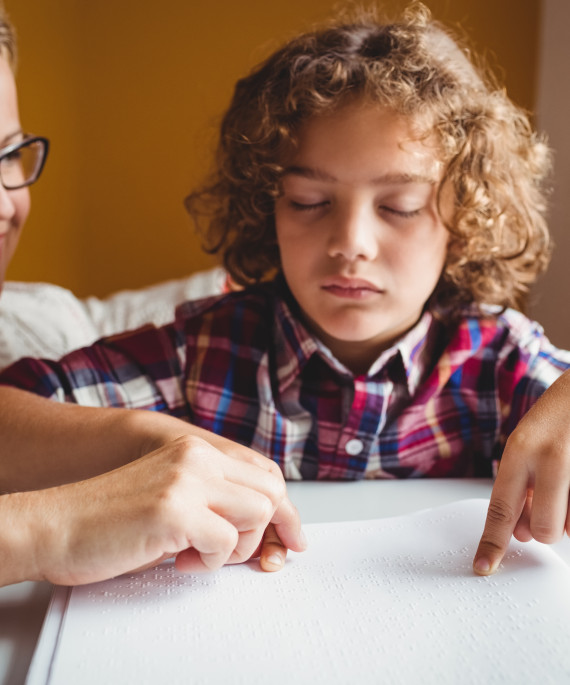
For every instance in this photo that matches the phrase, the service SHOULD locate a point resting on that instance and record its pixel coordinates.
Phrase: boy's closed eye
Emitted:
(314, 206)
(409, 202)
(308, 206)
(401, 213)
(404, 202)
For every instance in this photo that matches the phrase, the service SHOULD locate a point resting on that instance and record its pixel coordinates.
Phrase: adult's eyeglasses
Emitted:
(21, 163)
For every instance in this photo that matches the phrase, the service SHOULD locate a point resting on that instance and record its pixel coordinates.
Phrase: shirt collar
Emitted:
(294, 345)
(413, 352)
(409, 357)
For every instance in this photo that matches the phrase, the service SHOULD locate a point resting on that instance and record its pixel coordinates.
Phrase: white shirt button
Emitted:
(354, 447)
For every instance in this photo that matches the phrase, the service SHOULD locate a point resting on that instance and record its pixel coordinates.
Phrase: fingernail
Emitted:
(303, 538)
(482, 565)
(274, 560)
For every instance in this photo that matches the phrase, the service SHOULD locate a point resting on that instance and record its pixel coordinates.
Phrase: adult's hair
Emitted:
(8, 48)
(494, 163)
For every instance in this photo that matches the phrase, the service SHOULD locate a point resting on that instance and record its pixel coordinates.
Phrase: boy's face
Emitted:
(14, 204)
(362, 243)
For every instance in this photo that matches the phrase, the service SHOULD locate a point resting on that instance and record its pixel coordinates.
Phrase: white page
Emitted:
(386, 601)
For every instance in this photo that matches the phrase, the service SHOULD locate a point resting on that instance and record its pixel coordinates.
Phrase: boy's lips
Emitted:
(354, 288)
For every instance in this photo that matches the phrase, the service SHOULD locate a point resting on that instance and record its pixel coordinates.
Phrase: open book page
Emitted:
(385, 601)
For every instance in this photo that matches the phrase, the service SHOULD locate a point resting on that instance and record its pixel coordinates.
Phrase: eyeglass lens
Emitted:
(20, 167)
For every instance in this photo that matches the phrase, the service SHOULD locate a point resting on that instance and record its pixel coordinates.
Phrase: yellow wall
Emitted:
(129, 92)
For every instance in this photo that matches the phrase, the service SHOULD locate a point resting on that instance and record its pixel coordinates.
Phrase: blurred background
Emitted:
(130, 94)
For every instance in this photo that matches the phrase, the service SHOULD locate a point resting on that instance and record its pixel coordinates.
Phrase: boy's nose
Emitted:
(353, 236)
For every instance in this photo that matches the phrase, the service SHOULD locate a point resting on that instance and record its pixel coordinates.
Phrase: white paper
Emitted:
(384, 601)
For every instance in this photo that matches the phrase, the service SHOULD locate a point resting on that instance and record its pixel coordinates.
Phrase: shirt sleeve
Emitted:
(530, 365)
(140, 369)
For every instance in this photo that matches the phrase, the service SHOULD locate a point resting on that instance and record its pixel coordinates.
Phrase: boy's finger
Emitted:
(505, 508)
(273, 552)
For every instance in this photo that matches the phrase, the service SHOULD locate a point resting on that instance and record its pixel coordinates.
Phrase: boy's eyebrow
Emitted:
(387, 179)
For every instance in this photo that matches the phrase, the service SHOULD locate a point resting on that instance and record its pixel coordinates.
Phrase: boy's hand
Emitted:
(530, 498)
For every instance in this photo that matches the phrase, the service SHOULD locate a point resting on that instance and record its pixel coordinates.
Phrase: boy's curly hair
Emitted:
(495, 164)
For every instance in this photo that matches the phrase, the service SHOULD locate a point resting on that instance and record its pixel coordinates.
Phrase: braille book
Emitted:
(391, 600)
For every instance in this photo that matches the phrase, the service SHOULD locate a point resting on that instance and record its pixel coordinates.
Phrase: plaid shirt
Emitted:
(440, 402)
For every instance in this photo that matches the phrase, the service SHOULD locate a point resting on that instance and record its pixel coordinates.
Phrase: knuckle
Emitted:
(280, 494)
(544, 533)
(519, 440)
(240, 555)
(183, 452)
(263, 511)
(189, 445)
(194, 455)
(229, 539)
(500, 513)
(277, 490)
(212, 562)
(275, 470)
(220, 548)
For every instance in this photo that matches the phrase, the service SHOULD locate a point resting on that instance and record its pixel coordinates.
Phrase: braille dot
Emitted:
(354, 447)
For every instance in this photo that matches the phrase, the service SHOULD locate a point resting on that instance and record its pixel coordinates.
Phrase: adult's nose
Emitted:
(7, 206)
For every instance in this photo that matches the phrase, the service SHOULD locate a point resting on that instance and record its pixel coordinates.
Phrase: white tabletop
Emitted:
(23, 606)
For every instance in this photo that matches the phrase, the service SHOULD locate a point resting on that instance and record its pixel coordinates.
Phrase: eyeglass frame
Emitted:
(10, 149)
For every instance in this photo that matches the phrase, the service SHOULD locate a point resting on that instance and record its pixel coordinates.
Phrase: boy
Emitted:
(382, 203)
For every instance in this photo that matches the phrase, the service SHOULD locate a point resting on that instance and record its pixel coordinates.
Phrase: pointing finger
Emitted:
(505, 507)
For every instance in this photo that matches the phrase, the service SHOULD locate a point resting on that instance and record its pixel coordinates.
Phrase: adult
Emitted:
(186, 498)
(45, 320)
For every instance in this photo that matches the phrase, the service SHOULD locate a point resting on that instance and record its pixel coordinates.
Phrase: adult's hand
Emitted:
(187, 499)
